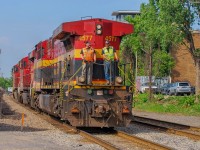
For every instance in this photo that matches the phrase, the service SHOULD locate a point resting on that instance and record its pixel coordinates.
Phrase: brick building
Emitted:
(184, 69)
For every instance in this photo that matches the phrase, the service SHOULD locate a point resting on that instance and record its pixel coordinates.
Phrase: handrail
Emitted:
(68, 83)
(70, 79)
(73, 77)
(62, 77)
(119, 69)
(124, 72)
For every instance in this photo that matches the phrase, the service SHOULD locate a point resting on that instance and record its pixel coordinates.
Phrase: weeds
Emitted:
(168, 104)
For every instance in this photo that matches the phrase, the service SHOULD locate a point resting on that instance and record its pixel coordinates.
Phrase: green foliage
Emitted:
(152, 36)
(161, 26)
(197, 52)
(158, 97)
(189, 101)
(142, 98)
(174, 104)
(5, 82)
(163, 62)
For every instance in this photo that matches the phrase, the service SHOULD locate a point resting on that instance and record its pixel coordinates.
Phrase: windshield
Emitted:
(183, 84)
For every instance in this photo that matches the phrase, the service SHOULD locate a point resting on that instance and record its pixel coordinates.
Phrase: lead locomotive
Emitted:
(50, 80)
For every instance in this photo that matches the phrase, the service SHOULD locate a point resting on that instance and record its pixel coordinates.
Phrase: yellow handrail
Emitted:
(61, 88)
(125, 75)
(68, 83)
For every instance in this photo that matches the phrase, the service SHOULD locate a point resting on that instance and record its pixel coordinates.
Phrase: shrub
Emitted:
(189, 101)
(142, 97)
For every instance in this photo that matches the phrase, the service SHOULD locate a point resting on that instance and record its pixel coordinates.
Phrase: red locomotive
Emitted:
(54, 84)
(16, 76)
(21, 79)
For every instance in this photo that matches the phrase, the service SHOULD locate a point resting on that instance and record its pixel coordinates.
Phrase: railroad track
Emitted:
(170, 127)
(139, 142)
(143, 142)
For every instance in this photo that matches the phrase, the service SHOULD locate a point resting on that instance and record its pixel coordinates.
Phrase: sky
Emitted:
(24, 23)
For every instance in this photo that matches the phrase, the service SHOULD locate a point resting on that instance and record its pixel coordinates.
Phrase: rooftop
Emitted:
(115, 13)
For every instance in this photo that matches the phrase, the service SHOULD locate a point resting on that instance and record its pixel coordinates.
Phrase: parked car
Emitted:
(165, 88)
(180, 88)
(145, 87)
(192, 90)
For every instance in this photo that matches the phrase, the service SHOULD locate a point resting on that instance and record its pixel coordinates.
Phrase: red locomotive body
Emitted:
(25, 74)
(16, 77)
(43, 58)
(25, 79)
(55, 73)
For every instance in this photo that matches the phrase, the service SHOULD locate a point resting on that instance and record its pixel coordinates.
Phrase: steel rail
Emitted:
(98, 140)
(177, 129)
(145, 143)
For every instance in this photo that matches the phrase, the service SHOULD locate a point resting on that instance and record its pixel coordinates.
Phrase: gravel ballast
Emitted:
(37, 134)
(170, 140)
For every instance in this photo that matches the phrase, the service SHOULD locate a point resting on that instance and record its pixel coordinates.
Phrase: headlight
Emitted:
(81, 79)
(119, 80)
(99, 26)
(99, 29)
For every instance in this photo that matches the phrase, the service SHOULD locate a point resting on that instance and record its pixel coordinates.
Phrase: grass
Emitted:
(184, 105)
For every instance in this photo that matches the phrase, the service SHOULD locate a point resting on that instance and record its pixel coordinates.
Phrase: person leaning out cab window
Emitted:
(109, 56)
(88, 56)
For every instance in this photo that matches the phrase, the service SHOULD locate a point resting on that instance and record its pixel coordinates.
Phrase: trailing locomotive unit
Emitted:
(58, 87)
(16, 76)
(21, 80)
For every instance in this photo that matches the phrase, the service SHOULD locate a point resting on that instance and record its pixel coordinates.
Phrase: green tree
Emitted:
(182, 15)
(5, 82)
(160, 26)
